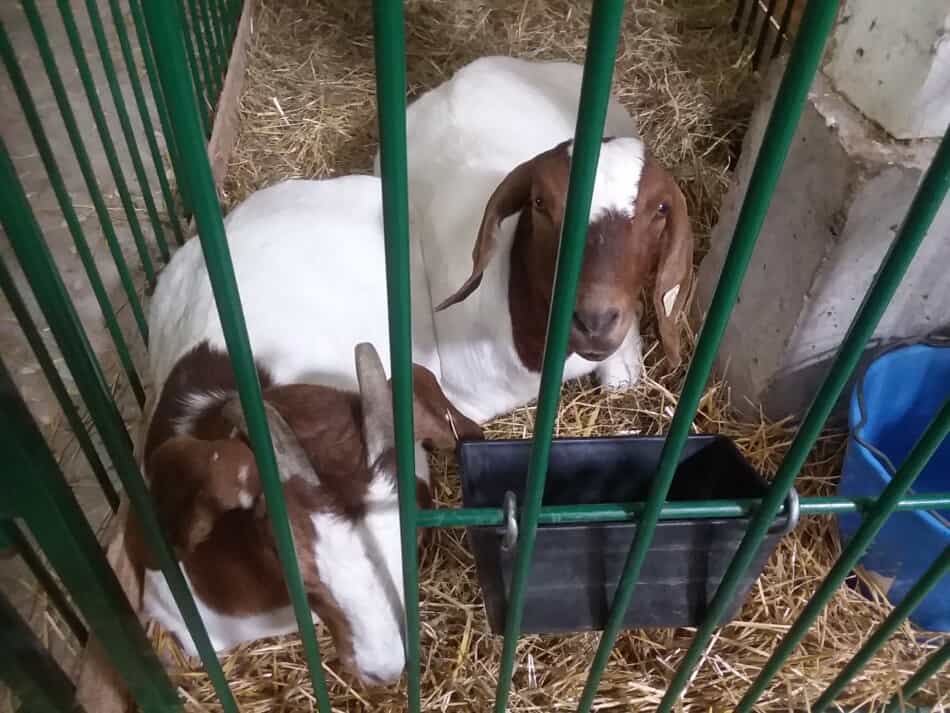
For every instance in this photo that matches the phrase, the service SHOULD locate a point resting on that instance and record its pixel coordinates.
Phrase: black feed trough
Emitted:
(576, 568)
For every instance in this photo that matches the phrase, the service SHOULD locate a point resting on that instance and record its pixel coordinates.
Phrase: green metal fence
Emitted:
(185, 48)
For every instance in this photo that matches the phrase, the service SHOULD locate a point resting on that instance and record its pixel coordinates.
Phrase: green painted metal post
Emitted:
(79, 148)
(165, 31)
(47, 365)
(602, 41)
(916, 460)
(125, 123)
(102, 126)
(40, 495)
(199, 86)
(34, 257)
(928, 670)
(141, 34)
(679, 510)
(390, 58)
(118, 20)
(898, 615)
(10, 532)
(792, 93)
(920, 215)
(29, 669)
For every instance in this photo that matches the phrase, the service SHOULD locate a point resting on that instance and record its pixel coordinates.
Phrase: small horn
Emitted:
(376, 399)
(291, 457)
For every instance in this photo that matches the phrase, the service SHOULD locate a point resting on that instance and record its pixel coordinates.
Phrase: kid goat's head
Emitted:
(638, 224)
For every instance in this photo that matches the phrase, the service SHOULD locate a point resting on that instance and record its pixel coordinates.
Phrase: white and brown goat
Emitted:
(489, 155)
(336, 459)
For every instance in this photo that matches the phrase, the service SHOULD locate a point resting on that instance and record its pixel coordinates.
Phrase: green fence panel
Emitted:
(165, 33)
(606, 18)
(85, 166)
(10, 532)
(29, 670)
(199, 83)
(95, 106)
(194, 25)
(215, 50)
(125, 123)
(898, 615)
(45, 360)
(390, 58)
(930, 668)
(50, 511)
(919, 216)
(145, 117)
(678, 510)
(916, 460)
(779, 132)
(38, 266)
(141, 35)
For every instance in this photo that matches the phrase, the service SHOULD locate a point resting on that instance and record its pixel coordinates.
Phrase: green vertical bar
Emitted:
(216, 18)
(930, 579)
(28, 326)
(199, 85)
(210, 78)
(29, 669)
(922, 210)
(125, 124)
(40, 495)
(390, 53)
(206, 28)
(929, 669)
(40, 269)
(31, 558)
(132, 69)
(917, 459)
(79, 148)
(141, 35)
(602, 41)
(95, 106)
(165, 34)
(72, 220)
(789, 102)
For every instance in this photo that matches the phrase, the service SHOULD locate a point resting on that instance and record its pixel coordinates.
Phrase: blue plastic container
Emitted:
(893, 402)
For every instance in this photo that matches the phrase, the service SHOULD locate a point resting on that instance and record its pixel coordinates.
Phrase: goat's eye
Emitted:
(663, 209)
(538, 203)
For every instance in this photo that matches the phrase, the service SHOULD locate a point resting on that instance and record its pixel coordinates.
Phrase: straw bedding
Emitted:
(308, 111)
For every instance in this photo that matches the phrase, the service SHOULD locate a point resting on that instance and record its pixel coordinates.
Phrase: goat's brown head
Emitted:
(335, 456)
(638, 224)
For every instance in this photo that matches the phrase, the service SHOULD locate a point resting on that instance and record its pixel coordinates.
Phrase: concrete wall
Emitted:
(844, 191)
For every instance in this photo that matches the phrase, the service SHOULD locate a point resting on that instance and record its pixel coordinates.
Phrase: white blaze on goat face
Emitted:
(618, 177)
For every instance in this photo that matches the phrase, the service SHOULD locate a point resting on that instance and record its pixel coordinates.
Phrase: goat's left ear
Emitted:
(674, 273)
(436, 419)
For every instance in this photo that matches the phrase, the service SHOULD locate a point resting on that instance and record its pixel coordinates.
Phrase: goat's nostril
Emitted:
(580, 323)
(593, 323)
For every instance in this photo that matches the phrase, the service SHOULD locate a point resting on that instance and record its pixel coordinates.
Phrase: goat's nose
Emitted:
(596, 322)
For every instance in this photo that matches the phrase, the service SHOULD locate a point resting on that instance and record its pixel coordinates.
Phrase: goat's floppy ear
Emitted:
(672, 291)
(292, 459)
(511, 195)
(435, 418)
(194, 481)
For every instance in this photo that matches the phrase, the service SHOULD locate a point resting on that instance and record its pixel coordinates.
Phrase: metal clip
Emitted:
(510, 509)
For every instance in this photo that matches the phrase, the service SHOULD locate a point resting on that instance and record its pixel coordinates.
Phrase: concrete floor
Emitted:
(15, 580)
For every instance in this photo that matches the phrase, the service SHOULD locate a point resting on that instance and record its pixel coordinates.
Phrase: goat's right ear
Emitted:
(511, 195)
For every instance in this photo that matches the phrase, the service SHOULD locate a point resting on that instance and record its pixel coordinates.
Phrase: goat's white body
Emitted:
(310, 264)
(309, 258)
(464, 137)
